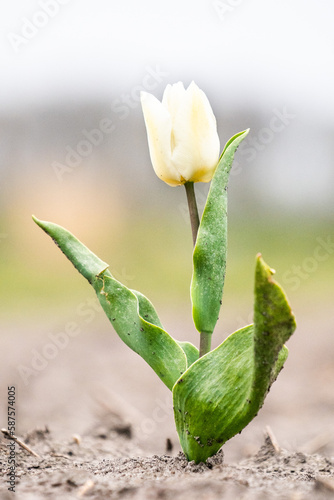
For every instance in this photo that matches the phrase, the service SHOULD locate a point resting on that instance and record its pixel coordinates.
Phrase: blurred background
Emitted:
(73, 150)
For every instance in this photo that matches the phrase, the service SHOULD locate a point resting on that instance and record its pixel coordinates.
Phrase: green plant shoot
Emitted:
(215, 393)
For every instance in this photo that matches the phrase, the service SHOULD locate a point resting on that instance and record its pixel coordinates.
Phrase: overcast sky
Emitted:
(258, 55)
(257, 48)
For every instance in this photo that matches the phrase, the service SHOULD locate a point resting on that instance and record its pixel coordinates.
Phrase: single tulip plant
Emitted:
(215, 393)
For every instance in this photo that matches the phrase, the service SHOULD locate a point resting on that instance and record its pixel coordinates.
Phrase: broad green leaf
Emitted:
(223, 391)
(131, 314)
(209, 258)
(211, 396)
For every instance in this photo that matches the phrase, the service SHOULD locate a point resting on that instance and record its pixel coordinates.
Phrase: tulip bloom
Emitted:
(182, 134)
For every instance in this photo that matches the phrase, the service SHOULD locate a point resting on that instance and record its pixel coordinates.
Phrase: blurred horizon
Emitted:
(73, 146)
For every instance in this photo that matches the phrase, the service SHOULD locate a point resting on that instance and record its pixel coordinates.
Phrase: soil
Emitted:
(102, 426)
(108, 463)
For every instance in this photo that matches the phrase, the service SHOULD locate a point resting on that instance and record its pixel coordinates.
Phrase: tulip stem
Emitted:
(205, 338)
(193, 211)
(205, 343)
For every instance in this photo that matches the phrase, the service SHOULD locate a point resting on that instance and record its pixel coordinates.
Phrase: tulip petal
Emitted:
(196, 139)
(173, 97)
(159, 132)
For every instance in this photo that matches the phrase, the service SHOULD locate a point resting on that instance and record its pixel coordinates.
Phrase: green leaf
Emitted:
(209, 258)
(282, 357)
(274, 325)
(132, 325)
(223, 391)
(131, 314)
(211, 394)
(85, 261)
(148, 312)
(190, 351)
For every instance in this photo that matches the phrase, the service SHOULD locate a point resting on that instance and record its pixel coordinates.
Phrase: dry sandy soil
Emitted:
(106, 463)
(102, 425)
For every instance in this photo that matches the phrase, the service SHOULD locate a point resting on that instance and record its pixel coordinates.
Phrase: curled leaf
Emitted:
(131, 314)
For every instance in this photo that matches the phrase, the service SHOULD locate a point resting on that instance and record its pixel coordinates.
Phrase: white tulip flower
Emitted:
(182, 134)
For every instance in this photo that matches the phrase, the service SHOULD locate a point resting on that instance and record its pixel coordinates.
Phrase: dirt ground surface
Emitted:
(107, 463)
(102, 424)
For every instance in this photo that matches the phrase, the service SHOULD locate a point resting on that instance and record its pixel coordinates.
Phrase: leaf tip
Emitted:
(262, 268)
(37, 221)
(264, 281)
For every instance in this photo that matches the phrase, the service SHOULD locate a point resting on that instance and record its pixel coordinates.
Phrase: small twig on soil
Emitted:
(317, 443)
(323, 483)
(169, 445)
(86, 488)
(77, 439)
(272, 439)
(108, 400)
(19, 442)
(101, 402)
(59, 455)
